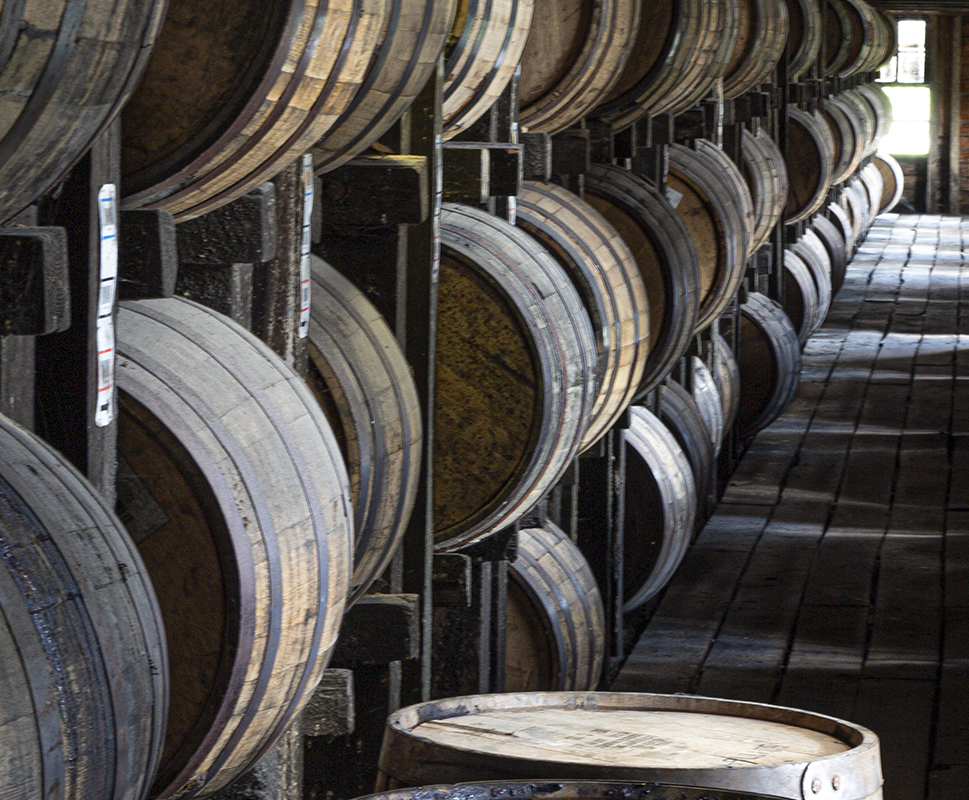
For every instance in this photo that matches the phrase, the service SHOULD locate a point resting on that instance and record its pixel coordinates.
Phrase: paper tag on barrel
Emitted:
(107, 291)
(304, 251)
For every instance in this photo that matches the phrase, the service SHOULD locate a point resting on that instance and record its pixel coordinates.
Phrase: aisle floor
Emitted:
(834, 575)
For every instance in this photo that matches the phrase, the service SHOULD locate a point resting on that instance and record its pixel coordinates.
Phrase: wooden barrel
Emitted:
(854, 201)
(700, 741)
(891, 45)
(892, 179)
(837, 38)
(810, 146)
(874, 186)
(883, 38)
(804, 36)
(726, 373)
(840, 219)
(573, 59)
(681, 49)
(661, 507)
(235, 92)
(761, 39)
(881, 107)
(710, 195)
(861, 35)
(679, 412)
(769, 362)
(515, 364)
(667, 261)
(834, 243)
(766, 175)
(813, 253)
(607, 277)
(232, 485)
(563, 790)
(846, 133)
(863, 115)
(83, 677)
(483, 52)
(556, 631)
(364, 386)
(413, 35)
(706, 395)
(66, 69)
(800, 296)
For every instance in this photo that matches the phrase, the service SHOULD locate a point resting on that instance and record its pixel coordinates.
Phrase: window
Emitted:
(911, 99)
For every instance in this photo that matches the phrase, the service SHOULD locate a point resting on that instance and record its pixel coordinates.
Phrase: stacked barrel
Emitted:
(645, 309)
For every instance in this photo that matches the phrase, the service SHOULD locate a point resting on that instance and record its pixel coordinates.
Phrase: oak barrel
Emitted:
(573, 58)
(765, 171)
(804, 37)
(800, 296)
(667, 260)
(811, 160)
(700, 741)
(881, 107)
(813, 253)
(769, 361)
(681, 49)
(840, 219)
(482, 54)
(762, 37)
(726, 374)
(515, 364)
(861, 39)
(679, 412)
(855, 202)
(833, 240)
(411, 40)
(864, 116)
(710, 195)
(563, 790)
(847, 134)
(556, 631)
(837, 38)
(83, 677)
(235, 92)
(606, 275)
(661, 507)
(708, 402)
(892, 178)
(874, 185)
(232, 484)
(66, 69)
(364, 385)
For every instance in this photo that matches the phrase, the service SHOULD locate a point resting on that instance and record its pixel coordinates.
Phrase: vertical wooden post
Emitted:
(933, 160)
(417, 299)
(955, 118)
(67, 363)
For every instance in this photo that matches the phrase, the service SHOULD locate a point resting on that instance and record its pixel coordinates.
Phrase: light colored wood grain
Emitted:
(230, 413)
(516, 362)
(358, 368)
(608, 279)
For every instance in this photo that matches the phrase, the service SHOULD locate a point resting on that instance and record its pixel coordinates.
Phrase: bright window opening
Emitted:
(911, 102)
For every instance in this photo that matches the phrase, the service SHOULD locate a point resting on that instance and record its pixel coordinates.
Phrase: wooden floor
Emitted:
(834, 576)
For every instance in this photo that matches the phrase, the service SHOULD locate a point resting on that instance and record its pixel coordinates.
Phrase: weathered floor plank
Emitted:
(834, 575)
